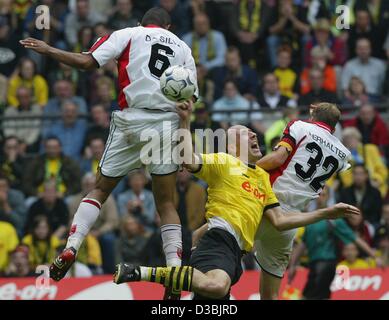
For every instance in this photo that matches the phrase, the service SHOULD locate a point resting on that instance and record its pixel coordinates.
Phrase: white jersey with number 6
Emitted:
(315, 155)
(143, 54)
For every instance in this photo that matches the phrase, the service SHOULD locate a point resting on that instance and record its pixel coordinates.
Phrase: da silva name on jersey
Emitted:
(328, 145)
(162, 39)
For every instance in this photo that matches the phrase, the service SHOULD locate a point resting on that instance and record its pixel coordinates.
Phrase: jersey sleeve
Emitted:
(290, 136)
(271, 199)
(110, 46)
(191, 65)
(212, 167)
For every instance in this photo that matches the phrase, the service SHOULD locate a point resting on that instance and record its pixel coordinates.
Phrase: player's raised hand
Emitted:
(184, 109)
(342, 210)
(36, 45)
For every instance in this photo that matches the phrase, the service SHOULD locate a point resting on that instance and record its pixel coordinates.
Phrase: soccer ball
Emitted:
(178, 83)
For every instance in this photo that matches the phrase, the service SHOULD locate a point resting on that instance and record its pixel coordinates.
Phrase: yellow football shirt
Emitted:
(237, 193)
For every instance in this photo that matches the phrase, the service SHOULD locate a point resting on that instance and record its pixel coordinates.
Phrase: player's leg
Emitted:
(270, 286)
(163, 189)
(215, 284)
(84, 219)
(272, 251)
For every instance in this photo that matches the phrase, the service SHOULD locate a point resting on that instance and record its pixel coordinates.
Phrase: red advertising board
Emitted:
(372, 284)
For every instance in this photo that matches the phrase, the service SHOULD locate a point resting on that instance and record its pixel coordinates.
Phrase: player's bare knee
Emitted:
(217, 289)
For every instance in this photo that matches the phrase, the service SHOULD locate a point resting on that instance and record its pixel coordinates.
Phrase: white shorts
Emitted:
(273, 248)
(140, 137)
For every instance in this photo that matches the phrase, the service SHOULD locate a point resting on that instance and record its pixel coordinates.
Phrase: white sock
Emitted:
(172, 244)
(85, 217)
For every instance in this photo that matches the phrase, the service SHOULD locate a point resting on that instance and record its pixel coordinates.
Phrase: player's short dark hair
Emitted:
(158, 16)
(327, 113)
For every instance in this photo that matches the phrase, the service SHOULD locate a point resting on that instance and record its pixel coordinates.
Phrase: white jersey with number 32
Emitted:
(142, 54)
(315, 155)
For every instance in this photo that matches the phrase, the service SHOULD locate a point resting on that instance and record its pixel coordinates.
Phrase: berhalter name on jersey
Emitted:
(315, 154)
(142, 54)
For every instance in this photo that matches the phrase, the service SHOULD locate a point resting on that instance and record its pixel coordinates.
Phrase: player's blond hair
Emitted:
(327, 113)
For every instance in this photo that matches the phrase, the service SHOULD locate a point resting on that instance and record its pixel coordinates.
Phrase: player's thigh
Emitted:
(273, 248)
(269, 286)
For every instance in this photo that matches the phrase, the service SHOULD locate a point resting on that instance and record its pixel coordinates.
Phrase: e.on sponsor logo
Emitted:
(10, 291)
(354, 283)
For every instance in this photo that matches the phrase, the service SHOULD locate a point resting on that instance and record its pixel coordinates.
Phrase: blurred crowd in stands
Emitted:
(260, 59)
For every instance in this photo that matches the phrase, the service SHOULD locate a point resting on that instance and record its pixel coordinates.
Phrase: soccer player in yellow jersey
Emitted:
(239, 194)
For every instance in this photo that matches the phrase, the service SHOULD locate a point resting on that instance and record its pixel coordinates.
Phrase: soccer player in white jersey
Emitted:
(143, 53)
(305, 158)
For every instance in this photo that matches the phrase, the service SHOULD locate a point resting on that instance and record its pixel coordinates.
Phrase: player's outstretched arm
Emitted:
(191, 161)
(274, 159)
(285, 221)
(76, 60)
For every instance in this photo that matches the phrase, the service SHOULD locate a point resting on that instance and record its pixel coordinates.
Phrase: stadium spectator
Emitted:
(270, 96)
(50, 205)
(64, 72)
(242, 74)
(42, 243)
(317, 93)
(382, 244)
(21, 126)
(190, 201)
(8, 242)
(365, 28)
(11, 50)
(363, 195)
(67, 129)
(106, 224)
(12, 208)
(234, 101)
(177, 10)
(274, 132)
(289, 25)
(362, 228)
(99, 126)
(321, 240)
(93, 154)
(356, 94)
(104, 94)
(250, 24)
(26, 76)
(352, 259)
(130, 246)
(319, 58)
(287, 77)
(208, 46)
(138, 201)
(369, 69)
(12, 163)
(85, 38)
(63, 91)
(82, 16)
(367, 155)
(372, 127)
(19, 264)
(123, 16)
(52, 165)
(202, 121)
(334, 48)
(205, 84)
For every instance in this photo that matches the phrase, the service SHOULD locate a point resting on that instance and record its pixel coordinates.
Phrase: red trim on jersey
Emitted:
(274, 174)
(152, 26)
(98, 43)
(92, 202)
(123, 78)
(324, 126)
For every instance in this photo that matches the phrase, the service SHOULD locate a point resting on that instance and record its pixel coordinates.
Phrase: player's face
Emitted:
(249, 138)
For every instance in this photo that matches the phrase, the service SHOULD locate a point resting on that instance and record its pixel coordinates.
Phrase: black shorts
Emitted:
(218, 249)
